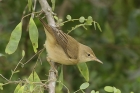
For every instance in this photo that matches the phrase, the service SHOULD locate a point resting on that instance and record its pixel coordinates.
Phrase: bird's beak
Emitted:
(96, 59)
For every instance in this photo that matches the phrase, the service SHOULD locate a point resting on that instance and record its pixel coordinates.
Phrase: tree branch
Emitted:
(48, 13)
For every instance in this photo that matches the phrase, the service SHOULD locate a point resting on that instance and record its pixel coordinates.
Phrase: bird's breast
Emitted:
(57, 54)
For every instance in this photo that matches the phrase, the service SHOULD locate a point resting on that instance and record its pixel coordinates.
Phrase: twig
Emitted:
(34, 8)
(40, 51)
(16, 68)
(68, 91)
(48, 13)
(4, 77)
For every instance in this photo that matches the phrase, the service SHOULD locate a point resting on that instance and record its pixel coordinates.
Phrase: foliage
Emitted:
(14, 40)
(33, 84)
(117, 45)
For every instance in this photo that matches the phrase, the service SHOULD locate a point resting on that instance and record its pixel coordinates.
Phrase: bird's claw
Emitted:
(52, 67)
(54, 70)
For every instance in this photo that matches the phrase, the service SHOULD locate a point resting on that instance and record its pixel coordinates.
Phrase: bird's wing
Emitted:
(72, 47)
(69, 44)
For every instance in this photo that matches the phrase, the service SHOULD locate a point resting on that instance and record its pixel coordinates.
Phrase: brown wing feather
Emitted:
(72, 47)
(69, 44)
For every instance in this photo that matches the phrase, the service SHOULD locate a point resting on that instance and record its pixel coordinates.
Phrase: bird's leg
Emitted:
(52, 65)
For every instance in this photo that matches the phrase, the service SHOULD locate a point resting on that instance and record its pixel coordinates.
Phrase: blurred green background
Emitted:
(118, 45)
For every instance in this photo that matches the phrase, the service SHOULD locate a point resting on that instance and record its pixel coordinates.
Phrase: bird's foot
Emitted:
(53, 69)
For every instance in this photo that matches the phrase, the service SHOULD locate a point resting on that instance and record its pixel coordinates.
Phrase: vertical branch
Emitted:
(48, 13)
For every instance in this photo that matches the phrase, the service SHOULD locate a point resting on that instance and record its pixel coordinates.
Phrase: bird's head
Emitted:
(86, 54)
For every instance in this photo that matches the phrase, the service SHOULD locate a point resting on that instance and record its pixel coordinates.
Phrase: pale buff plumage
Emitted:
(64, 49)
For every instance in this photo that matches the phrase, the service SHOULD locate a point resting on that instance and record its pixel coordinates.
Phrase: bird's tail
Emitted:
(46, 26)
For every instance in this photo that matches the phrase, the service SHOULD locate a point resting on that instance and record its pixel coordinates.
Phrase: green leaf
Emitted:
(17, 88)
(60, 86)
(1, 86)
(34, 77)
(81, 19)
(84, 70)
(99, 27)
(97, 91)
(23, 53)
(108, 89)
(30, 4)
(61, 24)
(84, 85)
(114, 89)
(16, 71)
(53, 4)
(90, 18)
(94, 25)
(131, 92)
(118, 91)
(93, 91)
(68, 17)
(35, 84)
(60, 20)
(33, 33)
(31, 87)
(89, 21)
(14, 39)
(21, 90)
(55, 17)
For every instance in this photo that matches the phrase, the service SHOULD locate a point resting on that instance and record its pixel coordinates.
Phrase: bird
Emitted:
(64, 49)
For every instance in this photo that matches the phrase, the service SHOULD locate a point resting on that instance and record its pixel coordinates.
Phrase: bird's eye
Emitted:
(88, 54)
